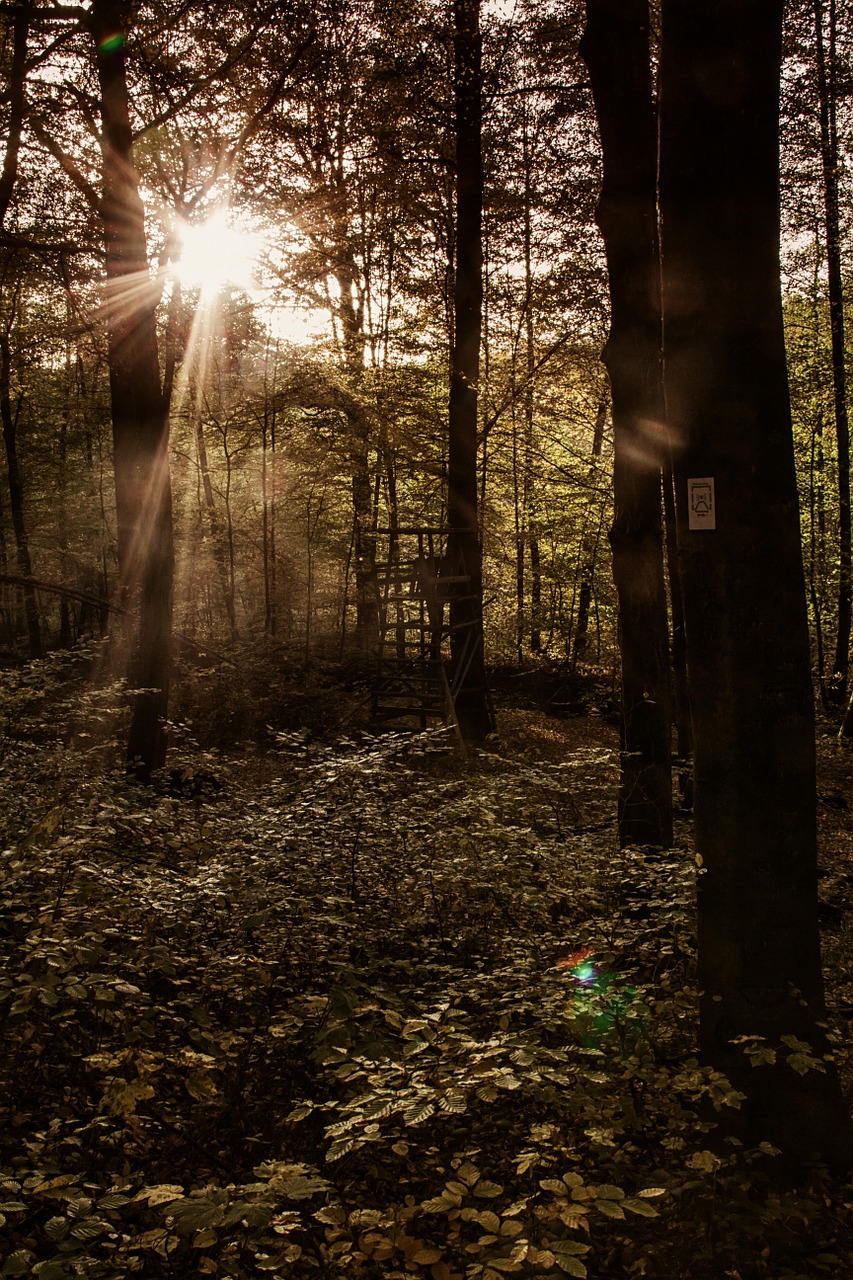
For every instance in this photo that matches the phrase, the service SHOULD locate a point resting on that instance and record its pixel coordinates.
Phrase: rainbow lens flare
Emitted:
(112, 44)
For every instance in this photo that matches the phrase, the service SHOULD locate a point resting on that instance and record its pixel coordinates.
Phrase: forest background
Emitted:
(296, 264)
(305, 332)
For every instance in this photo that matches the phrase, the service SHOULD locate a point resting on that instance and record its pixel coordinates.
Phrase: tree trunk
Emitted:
(464, 552)
(680, 686)
(352, 326)
(16, 497)
(217, 543)
(589, 548)
(140, 417)
(268, 489)
(529, 531)
(616, 50)
(16, 94)
(16, 97)
(826, 79)
(741, 569)
(817, 552)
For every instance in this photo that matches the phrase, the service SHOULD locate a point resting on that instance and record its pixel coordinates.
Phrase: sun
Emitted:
(216, 253)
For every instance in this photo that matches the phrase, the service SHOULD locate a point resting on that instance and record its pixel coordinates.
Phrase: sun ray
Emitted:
(216, 253)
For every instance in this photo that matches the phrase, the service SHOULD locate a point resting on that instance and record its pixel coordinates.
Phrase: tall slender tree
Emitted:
(741, 570)
(825, 56)
(616, 49)
(10, 294)
(464, 546)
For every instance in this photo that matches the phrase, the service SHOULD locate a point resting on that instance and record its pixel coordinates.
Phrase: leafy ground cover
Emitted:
(359, 1007)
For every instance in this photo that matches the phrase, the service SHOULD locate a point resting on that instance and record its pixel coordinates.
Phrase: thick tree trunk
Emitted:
(741, 569)
(140, 417)
(826, 78)
(464, 552)
(616, 50)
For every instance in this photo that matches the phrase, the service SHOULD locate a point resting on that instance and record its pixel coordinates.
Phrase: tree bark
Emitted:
(9, 417)
(680, 686)
(826, 79)
(140, 416)
(741, 572)
(464, 551)
(16, 92)
(352, 326)
(17, 109)
(616, 50)
(589, 548)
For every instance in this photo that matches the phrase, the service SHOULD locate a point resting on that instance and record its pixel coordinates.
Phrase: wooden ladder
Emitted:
(412, 678)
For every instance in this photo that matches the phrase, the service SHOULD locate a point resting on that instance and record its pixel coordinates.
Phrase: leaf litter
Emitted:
(366, 1010)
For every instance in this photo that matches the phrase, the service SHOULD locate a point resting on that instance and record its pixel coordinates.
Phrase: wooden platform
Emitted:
(413, 679)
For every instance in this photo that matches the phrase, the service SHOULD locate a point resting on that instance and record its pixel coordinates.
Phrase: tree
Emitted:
(616, 50)
(10, 413)
(741, 569)
(464, 553)
(829, 154)
(139, 412)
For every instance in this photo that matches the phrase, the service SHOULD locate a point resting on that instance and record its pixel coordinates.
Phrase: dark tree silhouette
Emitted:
(741, 569)
(464, 549)
(140, 414)
(616, 49)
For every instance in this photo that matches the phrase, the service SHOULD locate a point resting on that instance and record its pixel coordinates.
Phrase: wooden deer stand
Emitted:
(414, 677)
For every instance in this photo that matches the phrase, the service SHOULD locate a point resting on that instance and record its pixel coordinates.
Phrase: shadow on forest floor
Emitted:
(368, 1011)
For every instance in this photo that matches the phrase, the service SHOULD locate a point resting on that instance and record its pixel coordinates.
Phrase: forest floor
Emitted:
(357, 1007)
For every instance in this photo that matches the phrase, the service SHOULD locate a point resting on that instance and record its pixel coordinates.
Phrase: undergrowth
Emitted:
(365, 1010)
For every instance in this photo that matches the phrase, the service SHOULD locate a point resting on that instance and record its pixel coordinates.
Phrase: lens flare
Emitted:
(112, 44)
(216, 253)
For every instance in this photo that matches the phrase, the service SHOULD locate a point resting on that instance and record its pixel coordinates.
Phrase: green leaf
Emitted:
(54, 1269)
(440, 1204)
(202, 1085)
(418, 1112)
(609, 1208)
(468, 1173)
(18, 1264)
(89, 1229)
(456, 1189)
(163, 1193)
(57, 1228)
(333, 1215)
(122, 1097)
(569, 1248)
(641, 1207)
(426, 1256)
(571, 1266)
(454, 1103)
(195, 1212)
(487, 1190)
(301, 1187)
(340, 1148)
(377, 1109)
(608, 1192)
